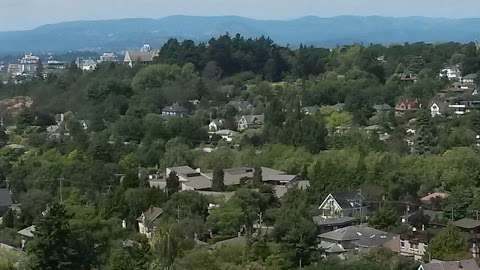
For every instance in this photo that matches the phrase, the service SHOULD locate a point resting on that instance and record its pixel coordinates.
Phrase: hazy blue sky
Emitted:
(25, 14)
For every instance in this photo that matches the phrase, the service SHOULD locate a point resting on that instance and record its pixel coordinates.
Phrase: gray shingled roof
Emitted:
(321, 221)
(467, 223)
(151, 215)
(348, 199)
(353, 233)
(451, 265)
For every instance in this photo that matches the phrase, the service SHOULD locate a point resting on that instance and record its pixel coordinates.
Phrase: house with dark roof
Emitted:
(470, 264)
(191, 179)
(143, 56)
(352, 238)
(250, 122)
(175, 110)
(343, 204)
(407, 105)
(470, 79)
(330, 224)
(5, 200)
(148, 221)
(311, 110)
(414, 244)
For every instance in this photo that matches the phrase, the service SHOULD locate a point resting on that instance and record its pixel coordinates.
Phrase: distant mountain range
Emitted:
(122, 34)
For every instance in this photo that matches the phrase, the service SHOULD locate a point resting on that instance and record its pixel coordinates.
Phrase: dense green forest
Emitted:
(74, 179)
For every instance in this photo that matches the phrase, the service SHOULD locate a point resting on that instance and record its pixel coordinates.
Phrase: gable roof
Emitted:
(27, 232)
(467, 223)
(348, 199)
(254, 119)
(450, 265)
(363, 235)
(138, 56)
(150, 216)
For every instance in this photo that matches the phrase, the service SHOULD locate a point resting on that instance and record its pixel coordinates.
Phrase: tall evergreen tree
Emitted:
(218, 183)
(257, 176)
(424, 136)
(54, 246)
(173, 183)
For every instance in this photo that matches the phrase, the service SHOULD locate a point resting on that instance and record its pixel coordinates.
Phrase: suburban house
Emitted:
(235, 176)
(438, 108)
(216, 125)
(175, 110)
(148, 221)
(408, 77)
(470, 264)
(250, 122)
(352, 238)
(472, 228)
(226, 134)
(432, 197)
(108, 57)
(470, 79)
(414, 244)
(5, 200)
(26, 234)
(191, 179)
(343, 204)
(331, 224)
(86, 64)
(157, 180)
(311, 110)
(451, 73)
(145, 56)
(407, 105)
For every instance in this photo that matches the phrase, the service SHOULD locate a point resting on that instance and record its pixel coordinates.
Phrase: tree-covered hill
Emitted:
(330, 32)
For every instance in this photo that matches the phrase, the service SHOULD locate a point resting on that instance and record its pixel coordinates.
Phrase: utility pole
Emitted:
(60, 188)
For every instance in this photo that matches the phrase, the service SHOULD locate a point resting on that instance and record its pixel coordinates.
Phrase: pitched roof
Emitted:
(321, 221)
(150, 216)
(177, 108)
(184, 170)
(429, 197)
(5, 197)
(348, 199)
(451, 265)
(138, 56)
(255, 119)
(467, 223)
(363, 235)
(27, 232)
(472, 76)
(237, 241)
(198, 182)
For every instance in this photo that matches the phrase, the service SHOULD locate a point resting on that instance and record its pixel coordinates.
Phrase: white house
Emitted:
(343, 204)
(148, 221)
(452, 73)
(250, 121)
(215, 125)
